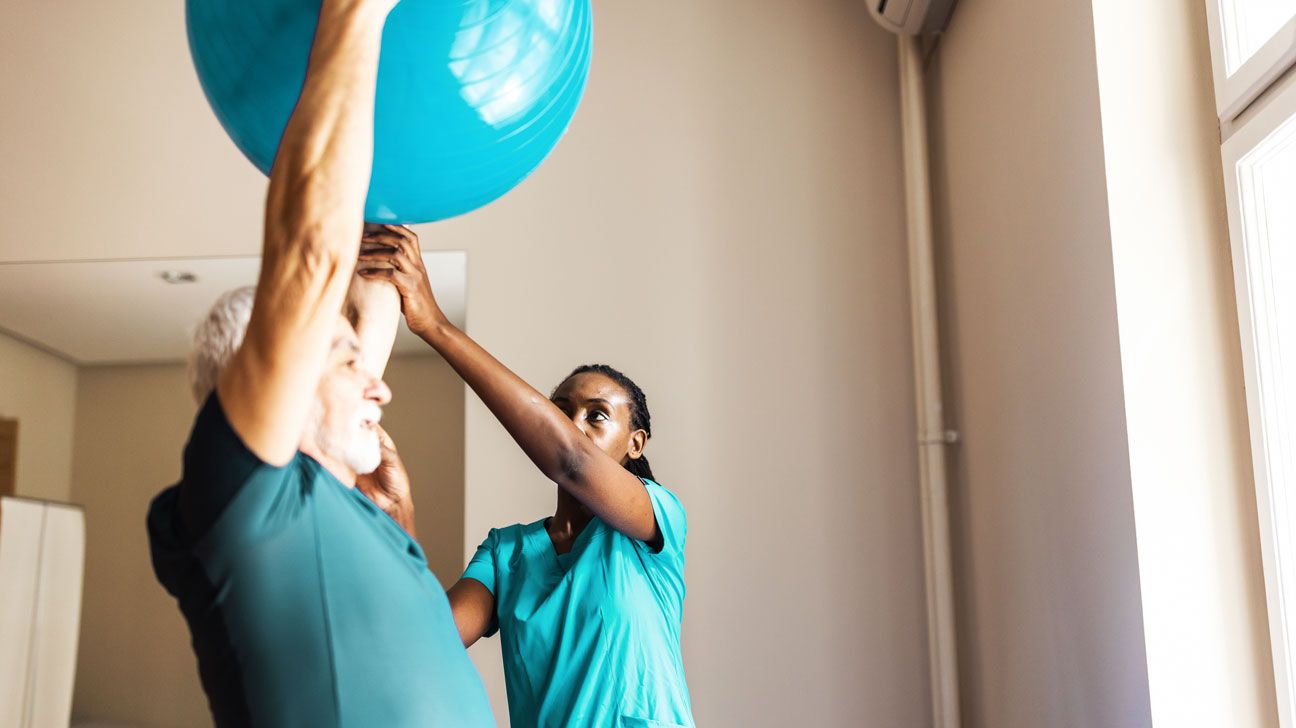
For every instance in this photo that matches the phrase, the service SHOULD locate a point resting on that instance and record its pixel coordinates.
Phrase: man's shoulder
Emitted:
(161, 508)
(224, 487)
(169, 545)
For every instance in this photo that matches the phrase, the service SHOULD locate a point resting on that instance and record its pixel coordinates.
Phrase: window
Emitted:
(1248, 25)
(1253, 44)
(1260, 176)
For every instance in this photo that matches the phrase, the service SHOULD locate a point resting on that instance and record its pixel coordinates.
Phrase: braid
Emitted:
(640, 419)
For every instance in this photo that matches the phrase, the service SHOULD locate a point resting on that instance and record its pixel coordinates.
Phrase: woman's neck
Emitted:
(569, 519)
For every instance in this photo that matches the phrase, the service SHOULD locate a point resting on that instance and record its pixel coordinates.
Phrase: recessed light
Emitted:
(178, 276)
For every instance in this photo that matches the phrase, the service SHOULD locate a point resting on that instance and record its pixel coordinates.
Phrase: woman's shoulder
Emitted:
(669, 511)
(511, 536)
(659, 492)
(651, 484)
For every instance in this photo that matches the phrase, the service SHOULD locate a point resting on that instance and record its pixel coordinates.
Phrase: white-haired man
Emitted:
(307, 605)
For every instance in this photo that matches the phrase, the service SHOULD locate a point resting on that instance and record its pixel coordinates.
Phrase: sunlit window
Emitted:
(1249, 24)
(1259, 157)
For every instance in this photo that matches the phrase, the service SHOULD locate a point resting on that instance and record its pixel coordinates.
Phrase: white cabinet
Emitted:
(42, 558)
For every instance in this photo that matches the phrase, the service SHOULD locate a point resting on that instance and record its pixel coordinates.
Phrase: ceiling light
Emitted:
(178, 276)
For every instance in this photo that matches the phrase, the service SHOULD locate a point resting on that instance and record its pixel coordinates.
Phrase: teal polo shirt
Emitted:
(308, 606)
(590, 638)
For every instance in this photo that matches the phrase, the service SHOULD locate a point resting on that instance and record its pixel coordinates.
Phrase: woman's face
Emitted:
(600, 408)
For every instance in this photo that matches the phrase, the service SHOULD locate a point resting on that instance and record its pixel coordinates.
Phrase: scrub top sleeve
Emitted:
(216, 467)
(665, 568)
(482, 565)
(670, 520)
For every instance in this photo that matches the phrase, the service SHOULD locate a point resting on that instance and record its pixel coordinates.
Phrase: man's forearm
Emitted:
(314, 209)
(378, 313)
(322, 168)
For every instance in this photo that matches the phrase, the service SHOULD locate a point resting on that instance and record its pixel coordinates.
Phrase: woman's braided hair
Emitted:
(640, 419)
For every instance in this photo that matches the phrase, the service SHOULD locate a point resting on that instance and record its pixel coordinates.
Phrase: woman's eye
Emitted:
(598, 416)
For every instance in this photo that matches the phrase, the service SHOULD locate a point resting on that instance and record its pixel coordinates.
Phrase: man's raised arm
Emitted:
(314, 217)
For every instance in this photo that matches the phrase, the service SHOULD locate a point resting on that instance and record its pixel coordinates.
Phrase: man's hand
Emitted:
(388, 486)
(395, 256)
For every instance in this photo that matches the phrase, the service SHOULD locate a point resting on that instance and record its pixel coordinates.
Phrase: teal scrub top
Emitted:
(590, 637)
(308, 606)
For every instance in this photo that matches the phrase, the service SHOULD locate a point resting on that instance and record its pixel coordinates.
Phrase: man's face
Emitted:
(348, 404)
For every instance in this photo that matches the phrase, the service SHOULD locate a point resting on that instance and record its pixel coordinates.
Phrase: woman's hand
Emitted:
(394, 255)
(376, 307)
(367, 293)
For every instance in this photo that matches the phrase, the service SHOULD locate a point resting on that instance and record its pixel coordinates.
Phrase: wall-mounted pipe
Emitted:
(932, 435)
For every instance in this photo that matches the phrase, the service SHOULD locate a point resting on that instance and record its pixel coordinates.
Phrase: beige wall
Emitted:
(1108, 560)
(1198, 543)
(39, 390)
(426, 419)
(724, 222)
(1050, 617)
(135, 663)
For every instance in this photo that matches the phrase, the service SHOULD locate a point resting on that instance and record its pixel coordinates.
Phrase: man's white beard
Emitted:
(358, 447)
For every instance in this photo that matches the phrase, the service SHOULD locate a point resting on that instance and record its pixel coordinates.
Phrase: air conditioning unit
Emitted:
(912, 17)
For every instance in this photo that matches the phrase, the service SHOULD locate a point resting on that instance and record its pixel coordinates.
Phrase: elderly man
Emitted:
(307, 604)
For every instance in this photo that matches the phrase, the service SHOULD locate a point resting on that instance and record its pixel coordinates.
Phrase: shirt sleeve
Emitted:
(216, 468)
(665, 568)
(481, 566)
(671, 520)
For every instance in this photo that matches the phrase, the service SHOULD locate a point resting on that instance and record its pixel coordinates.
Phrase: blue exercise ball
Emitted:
(472, 94)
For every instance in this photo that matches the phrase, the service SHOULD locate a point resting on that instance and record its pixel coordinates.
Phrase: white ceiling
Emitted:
(118, 312)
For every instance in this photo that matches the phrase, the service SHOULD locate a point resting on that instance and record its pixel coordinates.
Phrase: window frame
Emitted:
(1236, 91)
(1271, 502)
